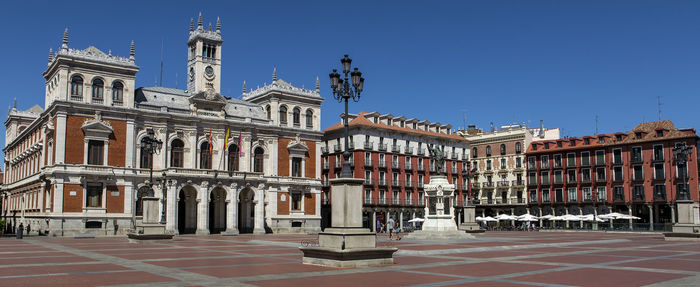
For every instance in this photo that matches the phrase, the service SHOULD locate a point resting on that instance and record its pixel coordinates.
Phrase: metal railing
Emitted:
(369, 146)
(518, 182)
(488, 184)
(503, 183)
(368, 163)
(336, 148)
(382, 164)
(420, 167)
(476, 185)
(420, 184)
(382, 182)
(382, 147)
(369, 181)
(408, 166)
(394, 164)
(395, 148)
(324, 150)
(395, 182)
(326, 165)
(408, 150)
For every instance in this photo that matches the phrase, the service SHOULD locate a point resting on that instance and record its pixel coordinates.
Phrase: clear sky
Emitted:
(505, 62)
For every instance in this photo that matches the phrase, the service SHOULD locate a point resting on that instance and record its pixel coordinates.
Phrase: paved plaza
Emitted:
(493, 259)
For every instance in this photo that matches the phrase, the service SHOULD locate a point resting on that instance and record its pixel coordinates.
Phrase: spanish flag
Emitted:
(226, 139)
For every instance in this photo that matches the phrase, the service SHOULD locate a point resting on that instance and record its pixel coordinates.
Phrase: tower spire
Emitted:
(50, 55)
(245, 90)
(132, 51)
(209, 26)
(191, 24)
(318, 87)
(199, 21)
(218, 25)
(65, 40)
(274, 74)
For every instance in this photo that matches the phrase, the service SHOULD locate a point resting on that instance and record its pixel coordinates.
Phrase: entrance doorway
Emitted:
(187, 210)
(246, 211)
(217, 211)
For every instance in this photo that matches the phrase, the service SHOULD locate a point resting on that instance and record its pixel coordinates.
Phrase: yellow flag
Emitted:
(226, 139)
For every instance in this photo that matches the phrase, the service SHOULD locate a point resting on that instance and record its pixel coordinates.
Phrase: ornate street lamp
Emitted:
(342, 91)
(150, 145)
(164, 200)
(680, 159)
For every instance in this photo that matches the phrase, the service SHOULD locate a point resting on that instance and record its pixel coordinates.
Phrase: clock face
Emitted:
(209, 70)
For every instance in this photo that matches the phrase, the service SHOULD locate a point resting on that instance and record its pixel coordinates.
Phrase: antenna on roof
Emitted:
(176, 80)
(596, 125)
(464, 119)
(658, 98)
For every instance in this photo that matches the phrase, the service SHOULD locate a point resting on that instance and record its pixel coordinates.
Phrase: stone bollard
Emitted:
(20, 231)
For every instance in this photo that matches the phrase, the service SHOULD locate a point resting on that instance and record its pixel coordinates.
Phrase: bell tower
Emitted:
(204, 57)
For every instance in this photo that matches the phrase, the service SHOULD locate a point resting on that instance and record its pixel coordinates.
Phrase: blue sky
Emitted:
(563, 62)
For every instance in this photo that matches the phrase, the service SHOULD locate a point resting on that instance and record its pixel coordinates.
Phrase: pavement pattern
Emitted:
(492, 259)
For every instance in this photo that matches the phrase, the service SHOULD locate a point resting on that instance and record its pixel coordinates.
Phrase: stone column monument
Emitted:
(347, 243)
(151, 227)
(439, 219)
(688, 226)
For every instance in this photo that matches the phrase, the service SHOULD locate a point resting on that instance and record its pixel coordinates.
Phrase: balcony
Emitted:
(636, 159)
(324, 150)
(660, 177)
(368, 163)
(97, 100)
(369, 200)
(382, 164)
(570, 164)
(557, 164)
(518, 183)
(586, 180)
(617, 161)
(638, 178)
(408, 184)
(395, 183)
(531, 167)
(382, 147)
(382, 182)
(600, 162)
(476, 185)
(408, 166)
(76, 98)
(455, 156)
(395, 148)
(395, 201)
(368, 146)
(558, 181)
(545, 182)
(532, 182)
(488, 184)
(395, 165)
(336, 148)
(420, 167)
(408, 150)
(571, 181)
(503, 183)
(585, 163)
(572, 199)
(600, 179)
(544, 166)
(369, 181)
(658, 157)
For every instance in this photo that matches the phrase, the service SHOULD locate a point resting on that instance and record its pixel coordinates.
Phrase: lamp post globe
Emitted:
(343, 90)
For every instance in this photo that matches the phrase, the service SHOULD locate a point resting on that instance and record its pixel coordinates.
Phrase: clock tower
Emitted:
(204, 58)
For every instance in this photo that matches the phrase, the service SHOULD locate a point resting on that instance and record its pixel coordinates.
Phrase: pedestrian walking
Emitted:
(390, 227)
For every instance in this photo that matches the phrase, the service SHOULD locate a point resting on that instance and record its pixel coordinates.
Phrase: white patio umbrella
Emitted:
(571, 217)
(527, 217)
(488, 219)
(589, 217)
(479, 218)
(505, 217)
(548, 216)
(417, 219)
(555, 218)
(612, 215)
(625, 216)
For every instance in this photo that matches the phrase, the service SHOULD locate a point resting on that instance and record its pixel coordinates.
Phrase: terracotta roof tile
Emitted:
(360, 120)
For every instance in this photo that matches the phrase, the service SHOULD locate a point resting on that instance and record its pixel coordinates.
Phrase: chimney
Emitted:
(541, 129)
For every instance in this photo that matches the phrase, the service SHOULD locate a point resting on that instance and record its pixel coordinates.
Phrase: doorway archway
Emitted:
(246, 211)
(187, 210)
(217, 210)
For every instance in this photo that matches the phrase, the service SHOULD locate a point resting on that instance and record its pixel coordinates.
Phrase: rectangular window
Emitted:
(93, 196)
(503, 163)
(296, 200)
(572, 194)
(518, 162)
(660, 191)
(571, 159)
(658, 152)
(95, 152)
(638, 172)
(636, 155)
(368, 156)
(368, 195)
(619, 192)
(586, 175)
(545, 162)
(638, 192)
(557, 160)
(659, 171)
(571, 176)
(545, 195)
(296, 167)
(531, 162)
(617, 173)
(382, 196)
(600, 157)
(533, 195)
(617, 156)
(559, 193)
(488, 165)
(585, 158)
(558, 177)
(602, 193)
(600, 174)
(545, 178)
(586, 193)
(532, 178)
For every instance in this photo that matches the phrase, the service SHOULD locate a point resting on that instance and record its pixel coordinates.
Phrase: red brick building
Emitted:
(391, 154)
(615, 172)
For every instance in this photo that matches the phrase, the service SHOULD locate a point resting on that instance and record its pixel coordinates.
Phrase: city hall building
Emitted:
(82, 163)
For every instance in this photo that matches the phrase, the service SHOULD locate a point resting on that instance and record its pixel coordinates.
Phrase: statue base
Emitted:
(688, 226)
(469, 225)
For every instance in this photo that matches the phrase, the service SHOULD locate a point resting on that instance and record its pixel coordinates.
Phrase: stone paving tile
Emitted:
(667, 264)
(379, 279)
(637, 253)
(490, 254)
(486, 269)
(68, 268)
(27, 254)
(411, 260)
(214, 262)
(240, 271)
(489, 284)
(600, 277)
(578, 259)
(103, 279)
(172, 255)
(40, 260)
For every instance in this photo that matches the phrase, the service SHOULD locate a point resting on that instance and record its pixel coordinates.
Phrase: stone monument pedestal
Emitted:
(439, 221)
(150, 228)
(469, 225)
(688, 226)
(347, 243)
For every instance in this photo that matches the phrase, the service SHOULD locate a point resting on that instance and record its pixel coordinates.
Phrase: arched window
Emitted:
(283, 114)
(309, 118)
(503, 149)
(146, 157)
(177, 153)
(204, 156)
(296, 114)
(117, 93)
(488, 150)
(76, 88)
(259, 157)
(518, 147)
(269, 112)
(98, 87)
(475, 153)
(233, 154)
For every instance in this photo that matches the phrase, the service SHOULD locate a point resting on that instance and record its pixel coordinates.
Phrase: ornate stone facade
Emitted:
(81, 165)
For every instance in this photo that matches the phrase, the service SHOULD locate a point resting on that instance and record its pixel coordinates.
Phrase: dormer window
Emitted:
(546, 145)
(601, 140)
(376, 120)
(638, 135)
(586, 141)
(559, 144)
(618, 137)
(415, 126)
(659, 133)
